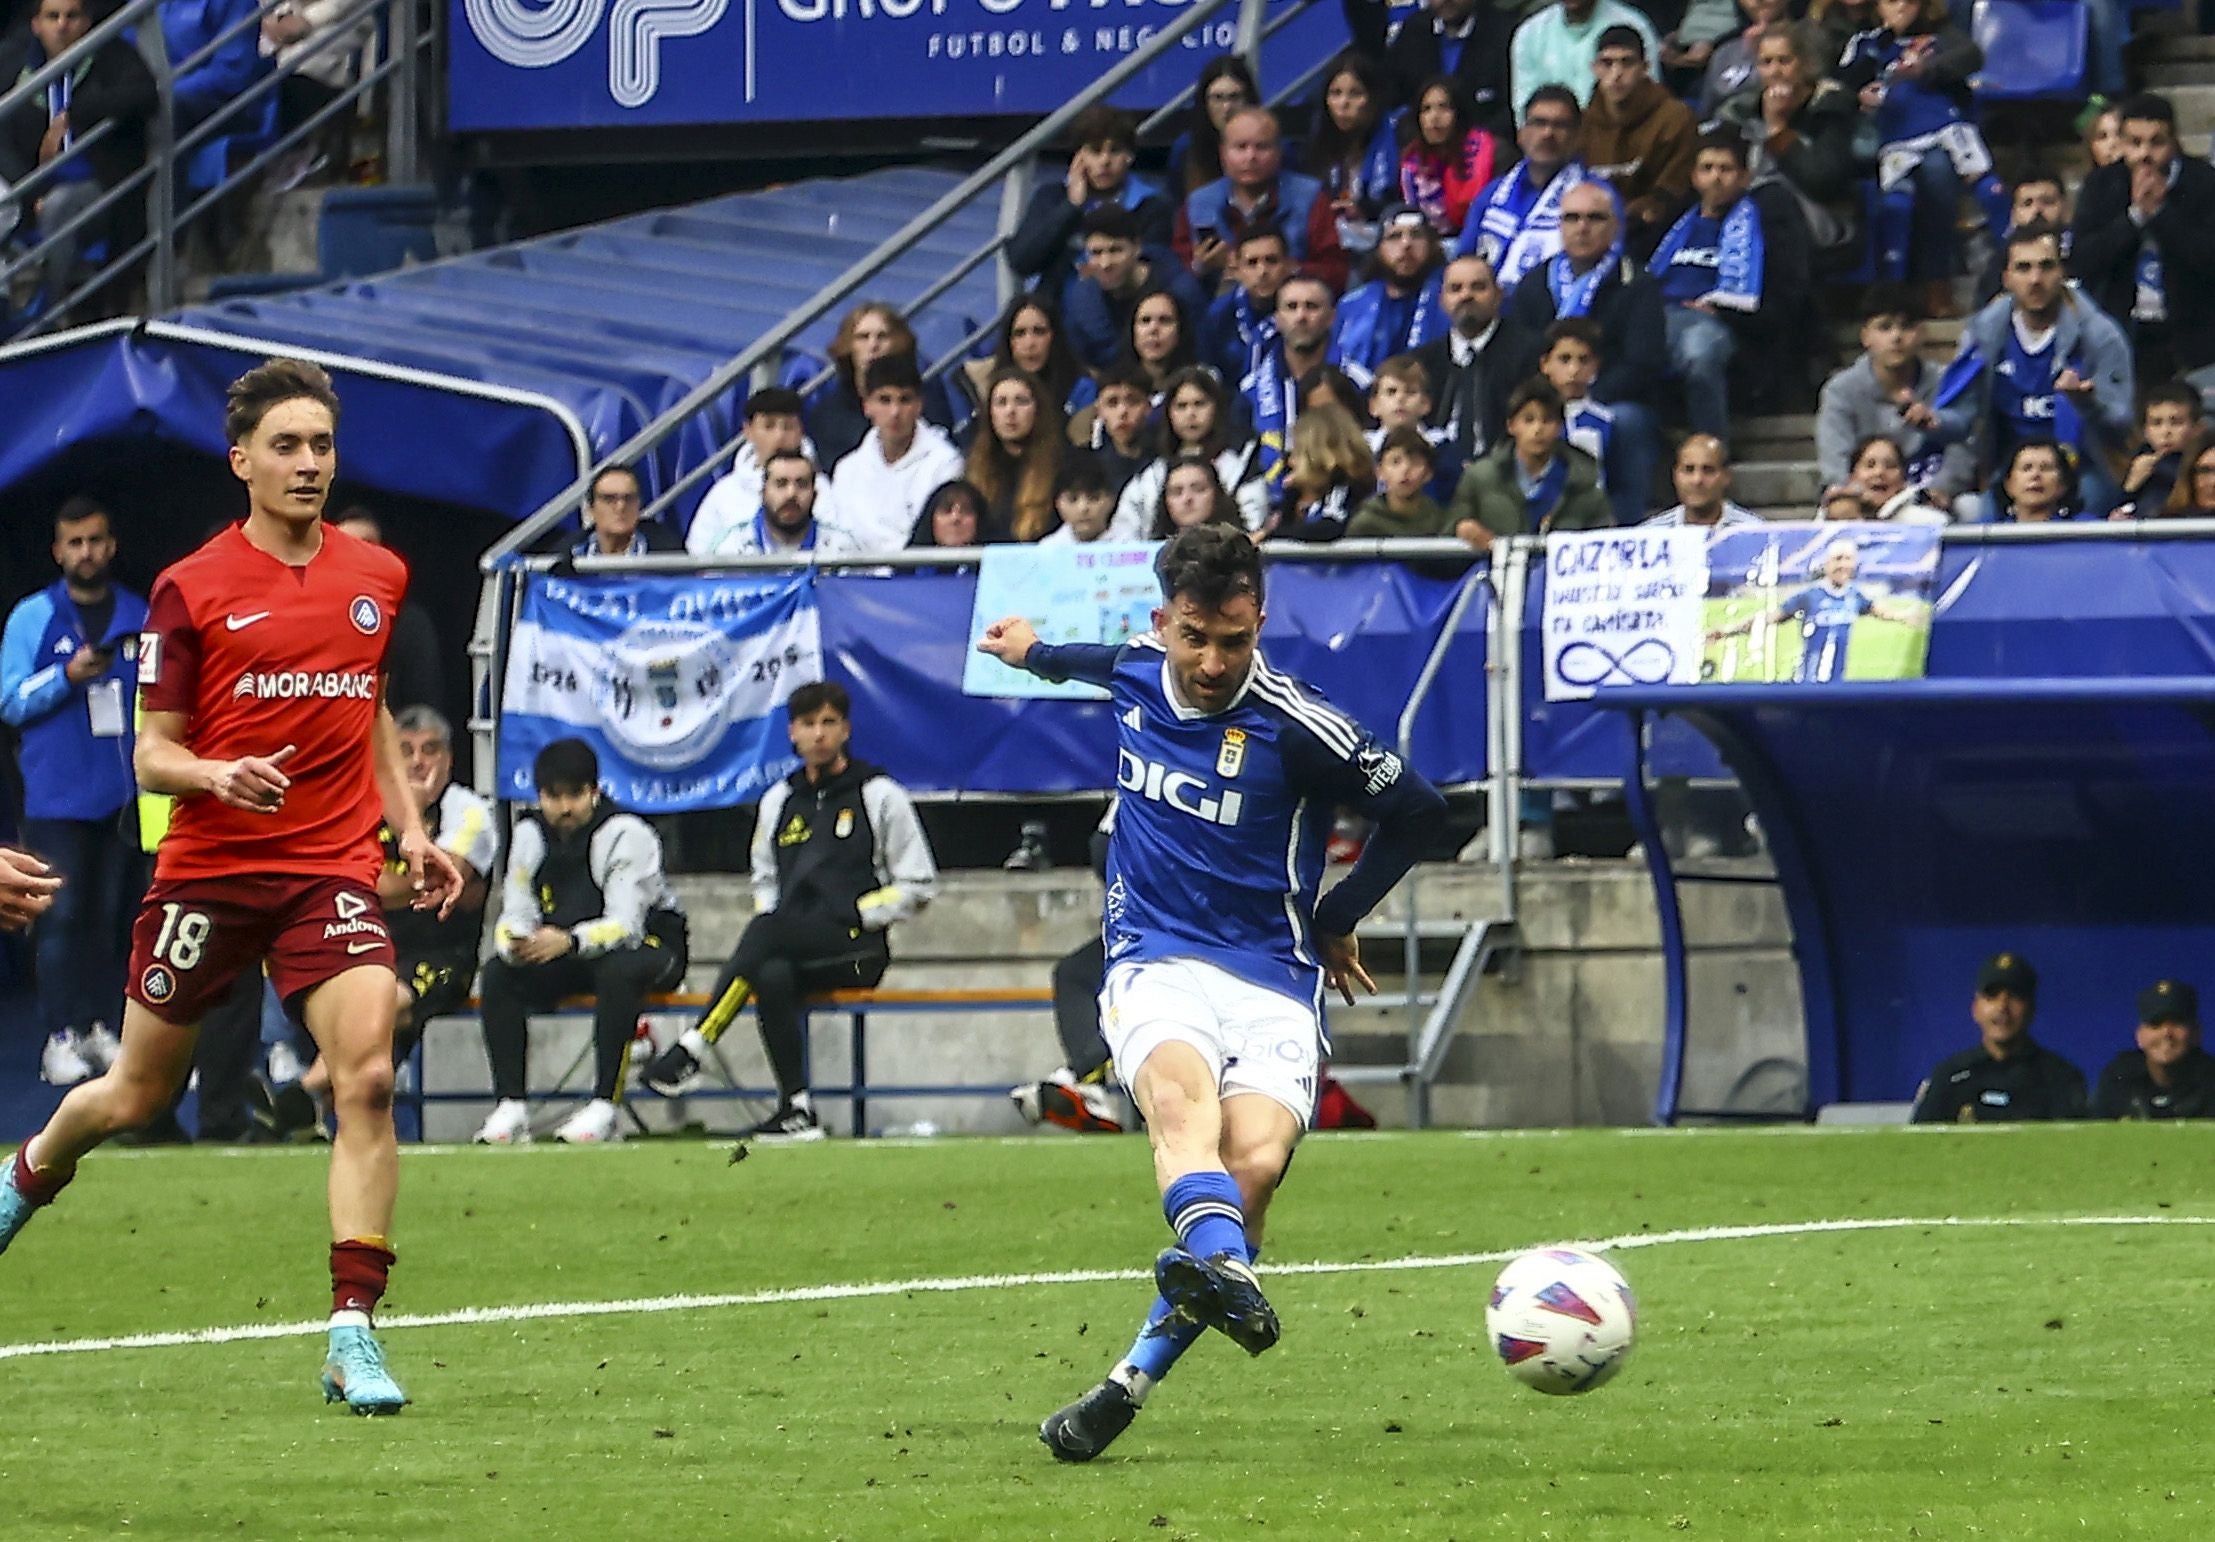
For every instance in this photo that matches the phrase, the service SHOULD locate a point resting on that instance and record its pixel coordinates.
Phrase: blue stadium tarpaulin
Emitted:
(2045, 791)
(492, 380)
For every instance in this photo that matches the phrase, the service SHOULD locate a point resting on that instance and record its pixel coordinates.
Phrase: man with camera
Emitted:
(68, 673)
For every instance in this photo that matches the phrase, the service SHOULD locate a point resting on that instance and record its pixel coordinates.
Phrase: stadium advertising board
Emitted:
(563, 64)
(1798, 604)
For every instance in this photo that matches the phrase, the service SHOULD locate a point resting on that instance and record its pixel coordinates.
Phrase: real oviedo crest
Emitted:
(663, 694)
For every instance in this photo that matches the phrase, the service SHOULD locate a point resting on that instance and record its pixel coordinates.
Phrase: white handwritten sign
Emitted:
(1623, 607)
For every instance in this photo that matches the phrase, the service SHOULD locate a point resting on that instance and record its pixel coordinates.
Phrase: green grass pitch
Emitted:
(1878, 649)
(2021, 1381)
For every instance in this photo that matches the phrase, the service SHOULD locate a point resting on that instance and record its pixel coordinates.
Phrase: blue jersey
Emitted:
(2024, 402)
(1694, 268)
(1827, 619)
(1217, 851)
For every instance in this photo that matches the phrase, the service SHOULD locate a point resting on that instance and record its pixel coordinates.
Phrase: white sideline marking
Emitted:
(646, 1305)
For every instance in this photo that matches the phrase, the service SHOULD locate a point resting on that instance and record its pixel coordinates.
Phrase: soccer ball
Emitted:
(1561, 1320)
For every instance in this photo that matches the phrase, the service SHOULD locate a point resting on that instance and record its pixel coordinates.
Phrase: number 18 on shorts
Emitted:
(194, 936)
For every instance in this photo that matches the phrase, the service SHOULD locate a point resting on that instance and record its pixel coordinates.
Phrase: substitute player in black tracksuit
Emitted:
(2008, 1075)
(839, 858)
(585, 910)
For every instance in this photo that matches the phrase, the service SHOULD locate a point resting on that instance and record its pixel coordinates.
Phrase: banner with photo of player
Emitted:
(1819, 603)
(678, 684)
(1772, 604)
(1099, 592)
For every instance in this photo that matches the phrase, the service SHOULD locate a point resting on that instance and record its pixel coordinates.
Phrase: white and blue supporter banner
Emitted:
(678, 684)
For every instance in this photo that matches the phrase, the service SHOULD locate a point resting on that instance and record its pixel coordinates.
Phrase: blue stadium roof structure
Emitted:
(491, 380)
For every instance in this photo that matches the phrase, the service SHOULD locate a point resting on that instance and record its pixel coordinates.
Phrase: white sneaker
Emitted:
(99, 1047)
(595, 1124)
(508, 1125)
(62, 1062)
(285, 1064)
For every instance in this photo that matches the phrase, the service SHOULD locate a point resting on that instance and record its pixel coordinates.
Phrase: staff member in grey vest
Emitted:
(585, 911)
(839, 859)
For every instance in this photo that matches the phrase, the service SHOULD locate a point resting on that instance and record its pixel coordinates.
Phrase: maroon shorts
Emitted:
(193, 936)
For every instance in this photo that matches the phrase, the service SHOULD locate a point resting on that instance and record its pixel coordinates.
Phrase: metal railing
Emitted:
(1164, 115)
(768, 349)
(159, 179)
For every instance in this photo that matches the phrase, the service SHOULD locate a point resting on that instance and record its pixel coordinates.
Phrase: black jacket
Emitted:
(1634, 339)
(2104, 244)
(115, 85)
(2126, 1091)
(1412, 56)
(1046, 248)
(1973, 1088)
(1495, 379)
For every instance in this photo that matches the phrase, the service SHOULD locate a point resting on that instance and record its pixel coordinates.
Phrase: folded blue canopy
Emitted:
(492, 380)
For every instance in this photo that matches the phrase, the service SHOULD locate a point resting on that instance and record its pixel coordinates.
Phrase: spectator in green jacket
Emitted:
(1531, 481)
(1401, 507)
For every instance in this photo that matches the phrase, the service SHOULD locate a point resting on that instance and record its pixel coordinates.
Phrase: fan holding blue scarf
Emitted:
(1709, 266)
(1399, 309)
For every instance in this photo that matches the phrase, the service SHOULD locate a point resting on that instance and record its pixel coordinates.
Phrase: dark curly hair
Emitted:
(1213, 564)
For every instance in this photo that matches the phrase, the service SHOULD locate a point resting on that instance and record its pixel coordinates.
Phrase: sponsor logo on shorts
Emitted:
(297, 684)
(353, 948)
(366, 615)
(157, 984)
(355, 920)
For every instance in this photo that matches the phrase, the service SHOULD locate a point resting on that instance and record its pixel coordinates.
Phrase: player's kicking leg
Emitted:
(350, 1017)
(1219, 1153)
(148, 1072)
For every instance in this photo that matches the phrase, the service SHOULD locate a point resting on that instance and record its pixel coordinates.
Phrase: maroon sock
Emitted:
(359, 1267)
(37, 1187)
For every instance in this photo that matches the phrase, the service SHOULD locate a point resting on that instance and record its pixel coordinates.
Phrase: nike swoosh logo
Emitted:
(240, 623)
(363, 947)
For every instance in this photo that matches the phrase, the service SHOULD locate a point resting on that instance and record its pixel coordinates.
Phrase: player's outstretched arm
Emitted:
(1014, 642)
(431, 871)
(27, 888)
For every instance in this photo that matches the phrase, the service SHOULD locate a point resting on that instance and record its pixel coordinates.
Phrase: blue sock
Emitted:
(1153, 1354)
(1206, 1213)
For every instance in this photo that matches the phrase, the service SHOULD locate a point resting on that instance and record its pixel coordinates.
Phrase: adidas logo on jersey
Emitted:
(1181, 790)
(1132, 720)
(291, 684)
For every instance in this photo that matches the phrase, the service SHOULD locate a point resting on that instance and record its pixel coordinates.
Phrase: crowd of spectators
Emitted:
(55, 168)
(1628, 225)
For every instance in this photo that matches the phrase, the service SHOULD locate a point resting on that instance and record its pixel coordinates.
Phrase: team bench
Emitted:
(857, 1006)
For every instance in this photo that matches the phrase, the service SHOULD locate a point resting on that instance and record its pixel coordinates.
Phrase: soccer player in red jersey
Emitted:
(261, 678)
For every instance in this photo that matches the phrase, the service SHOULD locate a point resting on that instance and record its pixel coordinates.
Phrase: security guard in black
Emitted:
(2008, 1075)
(839, 859)
(2168, 1076)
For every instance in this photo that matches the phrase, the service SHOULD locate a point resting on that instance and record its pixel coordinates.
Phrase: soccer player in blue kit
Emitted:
(1218, 948)
(1826, 612)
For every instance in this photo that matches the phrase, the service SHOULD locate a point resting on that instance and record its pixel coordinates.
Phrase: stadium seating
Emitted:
(2034, 50)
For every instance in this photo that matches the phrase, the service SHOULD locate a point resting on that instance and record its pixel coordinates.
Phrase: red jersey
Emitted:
(258, 655)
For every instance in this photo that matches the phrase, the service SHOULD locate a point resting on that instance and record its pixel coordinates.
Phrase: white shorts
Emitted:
(1255, 1040)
